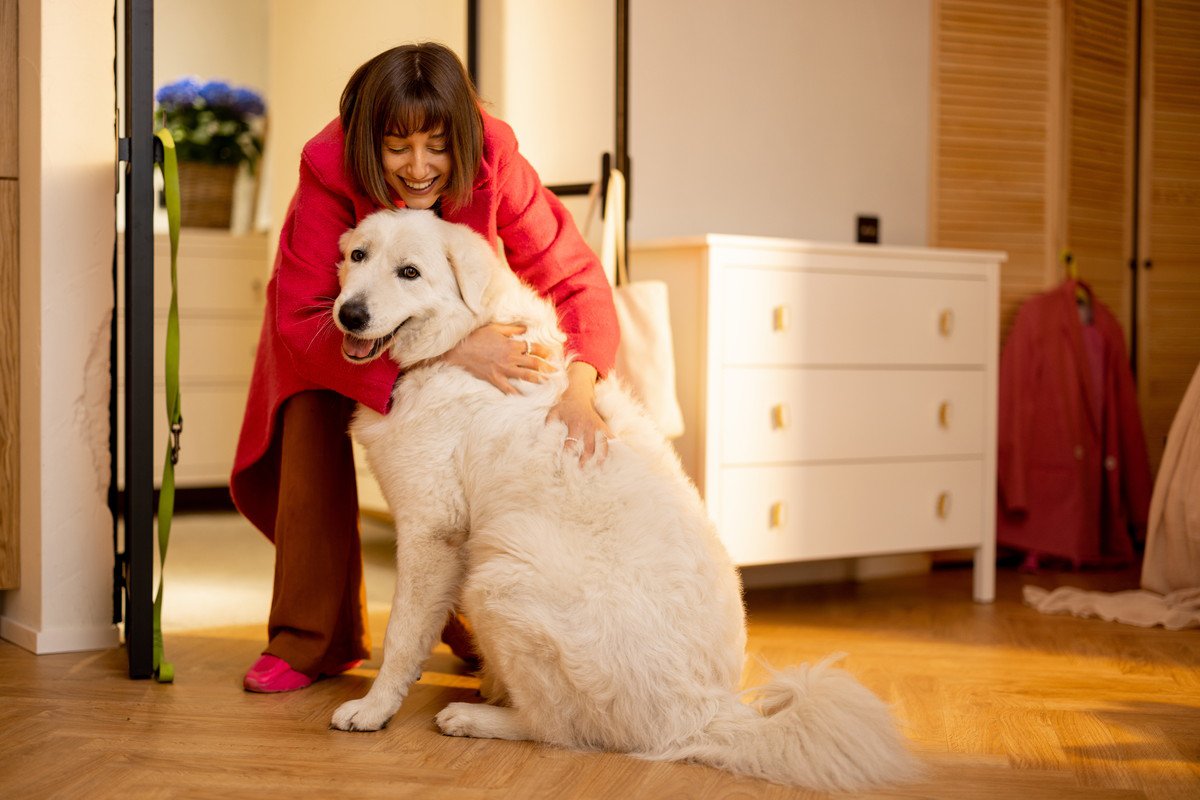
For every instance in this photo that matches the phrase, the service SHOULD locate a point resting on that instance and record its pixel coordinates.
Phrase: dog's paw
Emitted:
(456, 719)
(360, 715)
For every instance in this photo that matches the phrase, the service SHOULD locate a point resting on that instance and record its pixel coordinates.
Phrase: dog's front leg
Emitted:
(429, 571)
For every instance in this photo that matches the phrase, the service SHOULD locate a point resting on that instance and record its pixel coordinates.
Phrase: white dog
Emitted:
(606, 610)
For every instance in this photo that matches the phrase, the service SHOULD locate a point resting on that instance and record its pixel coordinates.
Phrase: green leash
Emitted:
(164, 671)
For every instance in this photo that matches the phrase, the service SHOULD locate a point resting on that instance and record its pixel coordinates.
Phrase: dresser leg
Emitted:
(985, 573)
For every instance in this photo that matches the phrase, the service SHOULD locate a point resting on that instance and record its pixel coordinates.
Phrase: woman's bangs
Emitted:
(417, 112)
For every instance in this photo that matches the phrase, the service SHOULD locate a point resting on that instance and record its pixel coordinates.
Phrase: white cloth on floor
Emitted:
(1171, 570)
(1174, 611)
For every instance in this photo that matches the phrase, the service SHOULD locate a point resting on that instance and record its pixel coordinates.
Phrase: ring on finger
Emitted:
(528, 347)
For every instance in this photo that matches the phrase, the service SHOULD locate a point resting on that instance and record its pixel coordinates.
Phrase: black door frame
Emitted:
(134, 565)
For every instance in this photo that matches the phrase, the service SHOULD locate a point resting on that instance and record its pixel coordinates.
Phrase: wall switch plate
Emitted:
(868, 230)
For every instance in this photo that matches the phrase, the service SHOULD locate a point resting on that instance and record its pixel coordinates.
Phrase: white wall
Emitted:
(313, 48)
(546, 68)
(213, 40)
(779, 117)
(67, 218)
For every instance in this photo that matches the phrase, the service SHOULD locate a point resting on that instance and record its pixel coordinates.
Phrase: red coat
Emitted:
(298, 348)
(1073, 471)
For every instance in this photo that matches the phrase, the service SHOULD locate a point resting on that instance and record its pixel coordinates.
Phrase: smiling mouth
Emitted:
(418, 187)
(361, 350)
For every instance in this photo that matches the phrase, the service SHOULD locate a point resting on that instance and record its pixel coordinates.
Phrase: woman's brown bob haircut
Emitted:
(414, 88)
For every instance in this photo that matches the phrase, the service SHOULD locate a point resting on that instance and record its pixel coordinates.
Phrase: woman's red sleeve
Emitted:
(544, 247)
(306, 284)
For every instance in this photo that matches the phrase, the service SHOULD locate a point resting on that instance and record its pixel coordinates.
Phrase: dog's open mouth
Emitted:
(359, 350)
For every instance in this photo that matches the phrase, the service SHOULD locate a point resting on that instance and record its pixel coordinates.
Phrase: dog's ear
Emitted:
(472, 261)
(344, 242)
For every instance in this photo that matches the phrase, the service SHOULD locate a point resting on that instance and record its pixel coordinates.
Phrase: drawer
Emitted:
(216, 271)
(210, 349)
(778, 514)
(787, 317)
(212, 420)
(789, 415)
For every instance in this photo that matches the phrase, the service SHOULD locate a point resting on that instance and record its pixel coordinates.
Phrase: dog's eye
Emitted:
(408, 272)
(358, 254)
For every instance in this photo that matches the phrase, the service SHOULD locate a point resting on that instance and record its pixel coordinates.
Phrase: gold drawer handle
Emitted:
(944, 414)
(780, 418)
(943, 505)
(779, 319)
(778, 515)
(946, 322)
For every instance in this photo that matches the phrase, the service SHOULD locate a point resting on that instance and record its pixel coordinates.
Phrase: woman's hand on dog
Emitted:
(587, 433)
(492, 354)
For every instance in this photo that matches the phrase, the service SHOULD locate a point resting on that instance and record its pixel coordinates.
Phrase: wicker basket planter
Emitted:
(206, 194)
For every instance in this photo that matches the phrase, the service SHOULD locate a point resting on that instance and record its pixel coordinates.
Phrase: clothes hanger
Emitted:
(1083, 300)
(1072, 269)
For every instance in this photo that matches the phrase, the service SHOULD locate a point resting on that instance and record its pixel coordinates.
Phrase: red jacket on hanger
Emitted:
(1074, 476)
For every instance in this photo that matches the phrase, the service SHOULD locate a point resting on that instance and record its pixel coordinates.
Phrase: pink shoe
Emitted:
(273, 674)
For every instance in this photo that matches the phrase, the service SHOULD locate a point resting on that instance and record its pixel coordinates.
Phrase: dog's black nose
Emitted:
(354, 315)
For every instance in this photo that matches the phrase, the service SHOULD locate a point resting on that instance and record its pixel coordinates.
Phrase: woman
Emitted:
(410, 133)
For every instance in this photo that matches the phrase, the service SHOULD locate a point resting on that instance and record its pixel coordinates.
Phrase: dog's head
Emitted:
(411, 283)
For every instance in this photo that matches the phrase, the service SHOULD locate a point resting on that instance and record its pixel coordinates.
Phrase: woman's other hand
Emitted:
(587, 433)
(492, 354)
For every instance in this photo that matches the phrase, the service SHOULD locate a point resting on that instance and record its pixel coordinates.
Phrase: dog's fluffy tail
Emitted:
(813, 726)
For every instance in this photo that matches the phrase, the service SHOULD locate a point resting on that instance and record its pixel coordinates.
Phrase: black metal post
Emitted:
(473, 41)
(622, 109)
(621, 114)
(139, 335)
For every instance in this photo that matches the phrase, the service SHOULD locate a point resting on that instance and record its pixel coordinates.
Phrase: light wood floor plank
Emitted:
(999, 701)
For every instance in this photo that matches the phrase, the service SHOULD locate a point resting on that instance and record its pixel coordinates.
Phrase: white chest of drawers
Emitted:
(222, 290)
(840, 400)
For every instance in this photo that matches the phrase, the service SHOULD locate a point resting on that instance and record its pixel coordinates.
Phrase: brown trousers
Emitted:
(318, 619)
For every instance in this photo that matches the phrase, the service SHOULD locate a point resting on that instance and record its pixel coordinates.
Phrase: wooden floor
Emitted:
(999, 700)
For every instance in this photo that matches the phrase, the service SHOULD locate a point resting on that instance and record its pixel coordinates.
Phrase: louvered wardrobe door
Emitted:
(995, 106)
(1169, 343)
(1099, 103)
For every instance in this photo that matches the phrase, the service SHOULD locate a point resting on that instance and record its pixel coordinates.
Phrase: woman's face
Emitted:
(417, 166)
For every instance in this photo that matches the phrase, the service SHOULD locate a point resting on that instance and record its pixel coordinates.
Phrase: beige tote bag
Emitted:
(646, 355)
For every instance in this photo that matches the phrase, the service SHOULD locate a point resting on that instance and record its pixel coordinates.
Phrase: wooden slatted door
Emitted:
(1100, 50)
(10, 338)
(994, 127)
(1169, 257)
(1036, 135)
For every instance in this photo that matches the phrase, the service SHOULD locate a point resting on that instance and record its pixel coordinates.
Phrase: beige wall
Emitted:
(213, 40)
(546, 68)
(779, 117)
(313, 47)
(772, 117)
(66, 100)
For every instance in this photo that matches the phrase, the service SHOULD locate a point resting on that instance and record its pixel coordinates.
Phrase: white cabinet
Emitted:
(222, 291)
(840, 400)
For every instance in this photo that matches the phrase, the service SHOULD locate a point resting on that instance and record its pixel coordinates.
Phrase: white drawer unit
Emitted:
(222, 291)
(840, 400)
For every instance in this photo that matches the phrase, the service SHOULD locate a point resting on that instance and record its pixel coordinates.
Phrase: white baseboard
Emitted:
(59, 640)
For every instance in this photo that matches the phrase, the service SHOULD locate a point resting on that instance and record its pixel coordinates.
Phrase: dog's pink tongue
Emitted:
(356, 347)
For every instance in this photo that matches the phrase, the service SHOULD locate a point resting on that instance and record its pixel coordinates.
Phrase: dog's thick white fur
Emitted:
(606, 610)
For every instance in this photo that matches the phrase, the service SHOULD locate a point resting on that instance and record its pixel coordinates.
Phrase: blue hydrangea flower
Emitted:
(247, 101)
(182, 92)
(212, 122)
(217, 93)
